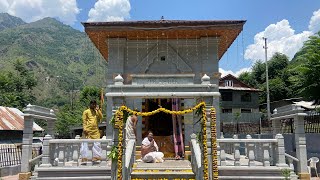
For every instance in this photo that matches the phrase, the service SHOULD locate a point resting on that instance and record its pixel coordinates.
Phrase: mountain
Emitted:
(8, 21)
(62, 58)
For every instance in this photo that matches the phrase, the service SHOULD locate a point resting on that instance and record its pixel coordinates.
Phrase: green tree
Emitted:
(306, 70)
(246, 77)
(69, 116)
(16, 86)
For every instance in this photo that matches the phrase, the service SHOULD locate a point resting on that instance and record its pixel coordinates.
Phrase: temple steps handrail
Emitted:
(35, 159)
(129, 152)
(196, 158)
(291, 157)
(196, 152)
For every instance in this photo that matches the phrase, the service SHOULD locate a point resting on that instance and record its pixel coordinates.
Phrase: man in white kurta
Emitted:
(150, 150)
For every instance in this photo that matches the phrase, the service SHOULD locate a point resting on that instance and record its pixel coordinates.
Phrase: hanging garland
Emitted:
(119, 123)
(214, 143)
(205, 146)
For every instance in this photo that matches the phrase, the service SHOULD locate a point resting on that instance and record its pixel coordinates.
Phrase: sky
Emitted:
(285, 23)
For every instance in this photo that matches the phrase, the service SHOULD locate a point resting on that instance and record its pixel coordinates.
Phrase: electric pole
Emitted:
(267, 78)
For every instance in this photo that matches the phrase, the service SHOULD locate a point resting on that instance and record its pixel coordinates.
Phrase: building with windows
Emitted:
(239, 104)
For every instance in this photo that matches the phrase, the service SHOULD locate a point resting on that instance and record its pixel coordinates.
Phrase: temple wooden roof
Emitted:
(226, 30)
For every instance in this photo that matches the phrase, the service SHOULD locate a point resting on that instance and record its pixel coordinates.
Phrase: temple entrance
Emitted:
(164, 126)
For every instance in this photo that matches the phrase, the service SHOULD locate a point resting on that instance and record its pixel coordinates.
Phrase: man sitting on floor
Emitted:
(150, 150)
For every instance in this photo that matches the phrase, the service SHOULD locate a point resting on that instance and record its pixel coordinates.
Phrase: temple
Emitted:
(167, 63)
(171, 66)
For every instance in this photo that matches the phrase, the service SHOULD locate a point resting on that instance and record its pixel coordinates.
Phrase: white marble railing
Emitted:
(66, 152)
(129, 158)
(196, 158)
(252, 152)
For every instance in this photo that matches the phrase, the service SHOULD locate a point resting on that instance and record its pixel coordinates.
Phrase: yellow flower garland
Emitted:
(119, 125)
(214, 144)
(205, 146)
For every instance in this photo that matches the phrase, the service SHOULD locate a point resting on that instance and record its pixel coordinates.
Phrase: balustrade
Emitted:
(66, 152)
(251, 152)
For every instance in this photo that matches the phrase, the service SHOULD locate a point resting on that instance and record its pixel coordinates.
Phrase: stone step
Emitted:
(77, 173)
(245, 171)
(253, 177)
(77, 178)
(162, 175)
(169, 169)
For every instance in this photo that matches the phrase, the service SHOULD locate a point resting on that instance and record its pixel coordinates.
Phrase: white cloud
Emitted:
(281, 38)
(236, 74)
(314, 24)
(110, 10)
(33, 10)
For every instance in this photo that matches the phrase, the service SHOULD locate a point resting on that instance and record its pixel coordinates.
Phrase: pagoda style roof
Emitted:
(226, 30)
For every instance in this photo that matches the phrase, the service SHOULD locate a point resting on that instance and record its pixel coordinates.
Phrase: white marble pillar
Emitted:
(27, 144)
(138, 104)
(208, 126)
(50, 128)
(301, 148)
(188, 121)
(109, 128)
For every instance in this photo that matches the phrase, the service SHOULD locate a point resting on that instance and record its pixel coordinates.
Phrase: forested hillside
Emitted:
(62, 59)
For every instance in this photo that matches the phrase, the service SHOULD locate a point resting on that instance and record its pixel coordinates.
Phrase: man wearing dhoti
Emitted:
(91, 118)
(150, 150)
(131, 124)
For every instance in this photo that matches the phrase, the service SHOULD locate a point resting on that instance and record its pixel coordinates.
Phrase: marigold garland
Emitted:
(214, 143)
(119, 124)
(205, 146)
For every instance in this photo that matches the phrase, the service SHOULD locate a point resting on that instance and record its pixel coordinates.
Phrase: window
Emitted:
(246, 97)
(226, 96)
(228, 83)
(245, 110)
(226, 110)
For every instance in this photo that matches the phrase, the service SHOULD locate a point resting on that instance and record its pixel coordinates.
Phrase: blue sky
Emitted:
(287, 23)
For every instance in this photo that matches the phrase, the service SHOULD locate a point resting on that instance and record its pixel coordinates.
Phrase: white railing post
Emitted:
(246, 145)
(280, 151)
(266, 155)
(61, 155)
(251, 148)
(104, 146)
(236, 152)
(46, 151)
(75, 153)
(223, 157)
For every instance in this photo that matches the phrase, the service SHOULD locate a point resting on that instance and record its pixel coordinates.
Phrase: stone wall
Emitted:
(180, 56)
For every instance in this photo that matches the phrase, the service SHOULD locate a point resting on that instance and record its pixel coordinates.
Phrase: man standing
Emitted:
(91, 118)
(150, 150)
(131, 130)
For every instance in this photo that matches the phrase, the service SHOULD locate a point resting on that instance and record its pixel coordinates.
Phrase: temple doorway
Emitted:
(164, 126)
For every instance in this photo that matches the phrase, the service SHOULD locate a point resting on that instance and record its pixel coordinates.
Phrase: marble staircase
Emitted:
(169, 169)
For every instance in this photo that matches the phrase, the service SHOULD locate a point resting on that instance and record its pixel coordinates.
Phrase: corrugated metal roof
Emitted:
(12, 119)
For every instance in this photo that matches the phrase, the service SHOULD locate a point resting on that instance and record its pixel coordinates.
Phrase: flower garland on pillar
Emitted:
(205, 145)
(119, 122)
(214, 143)
(119, 125)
